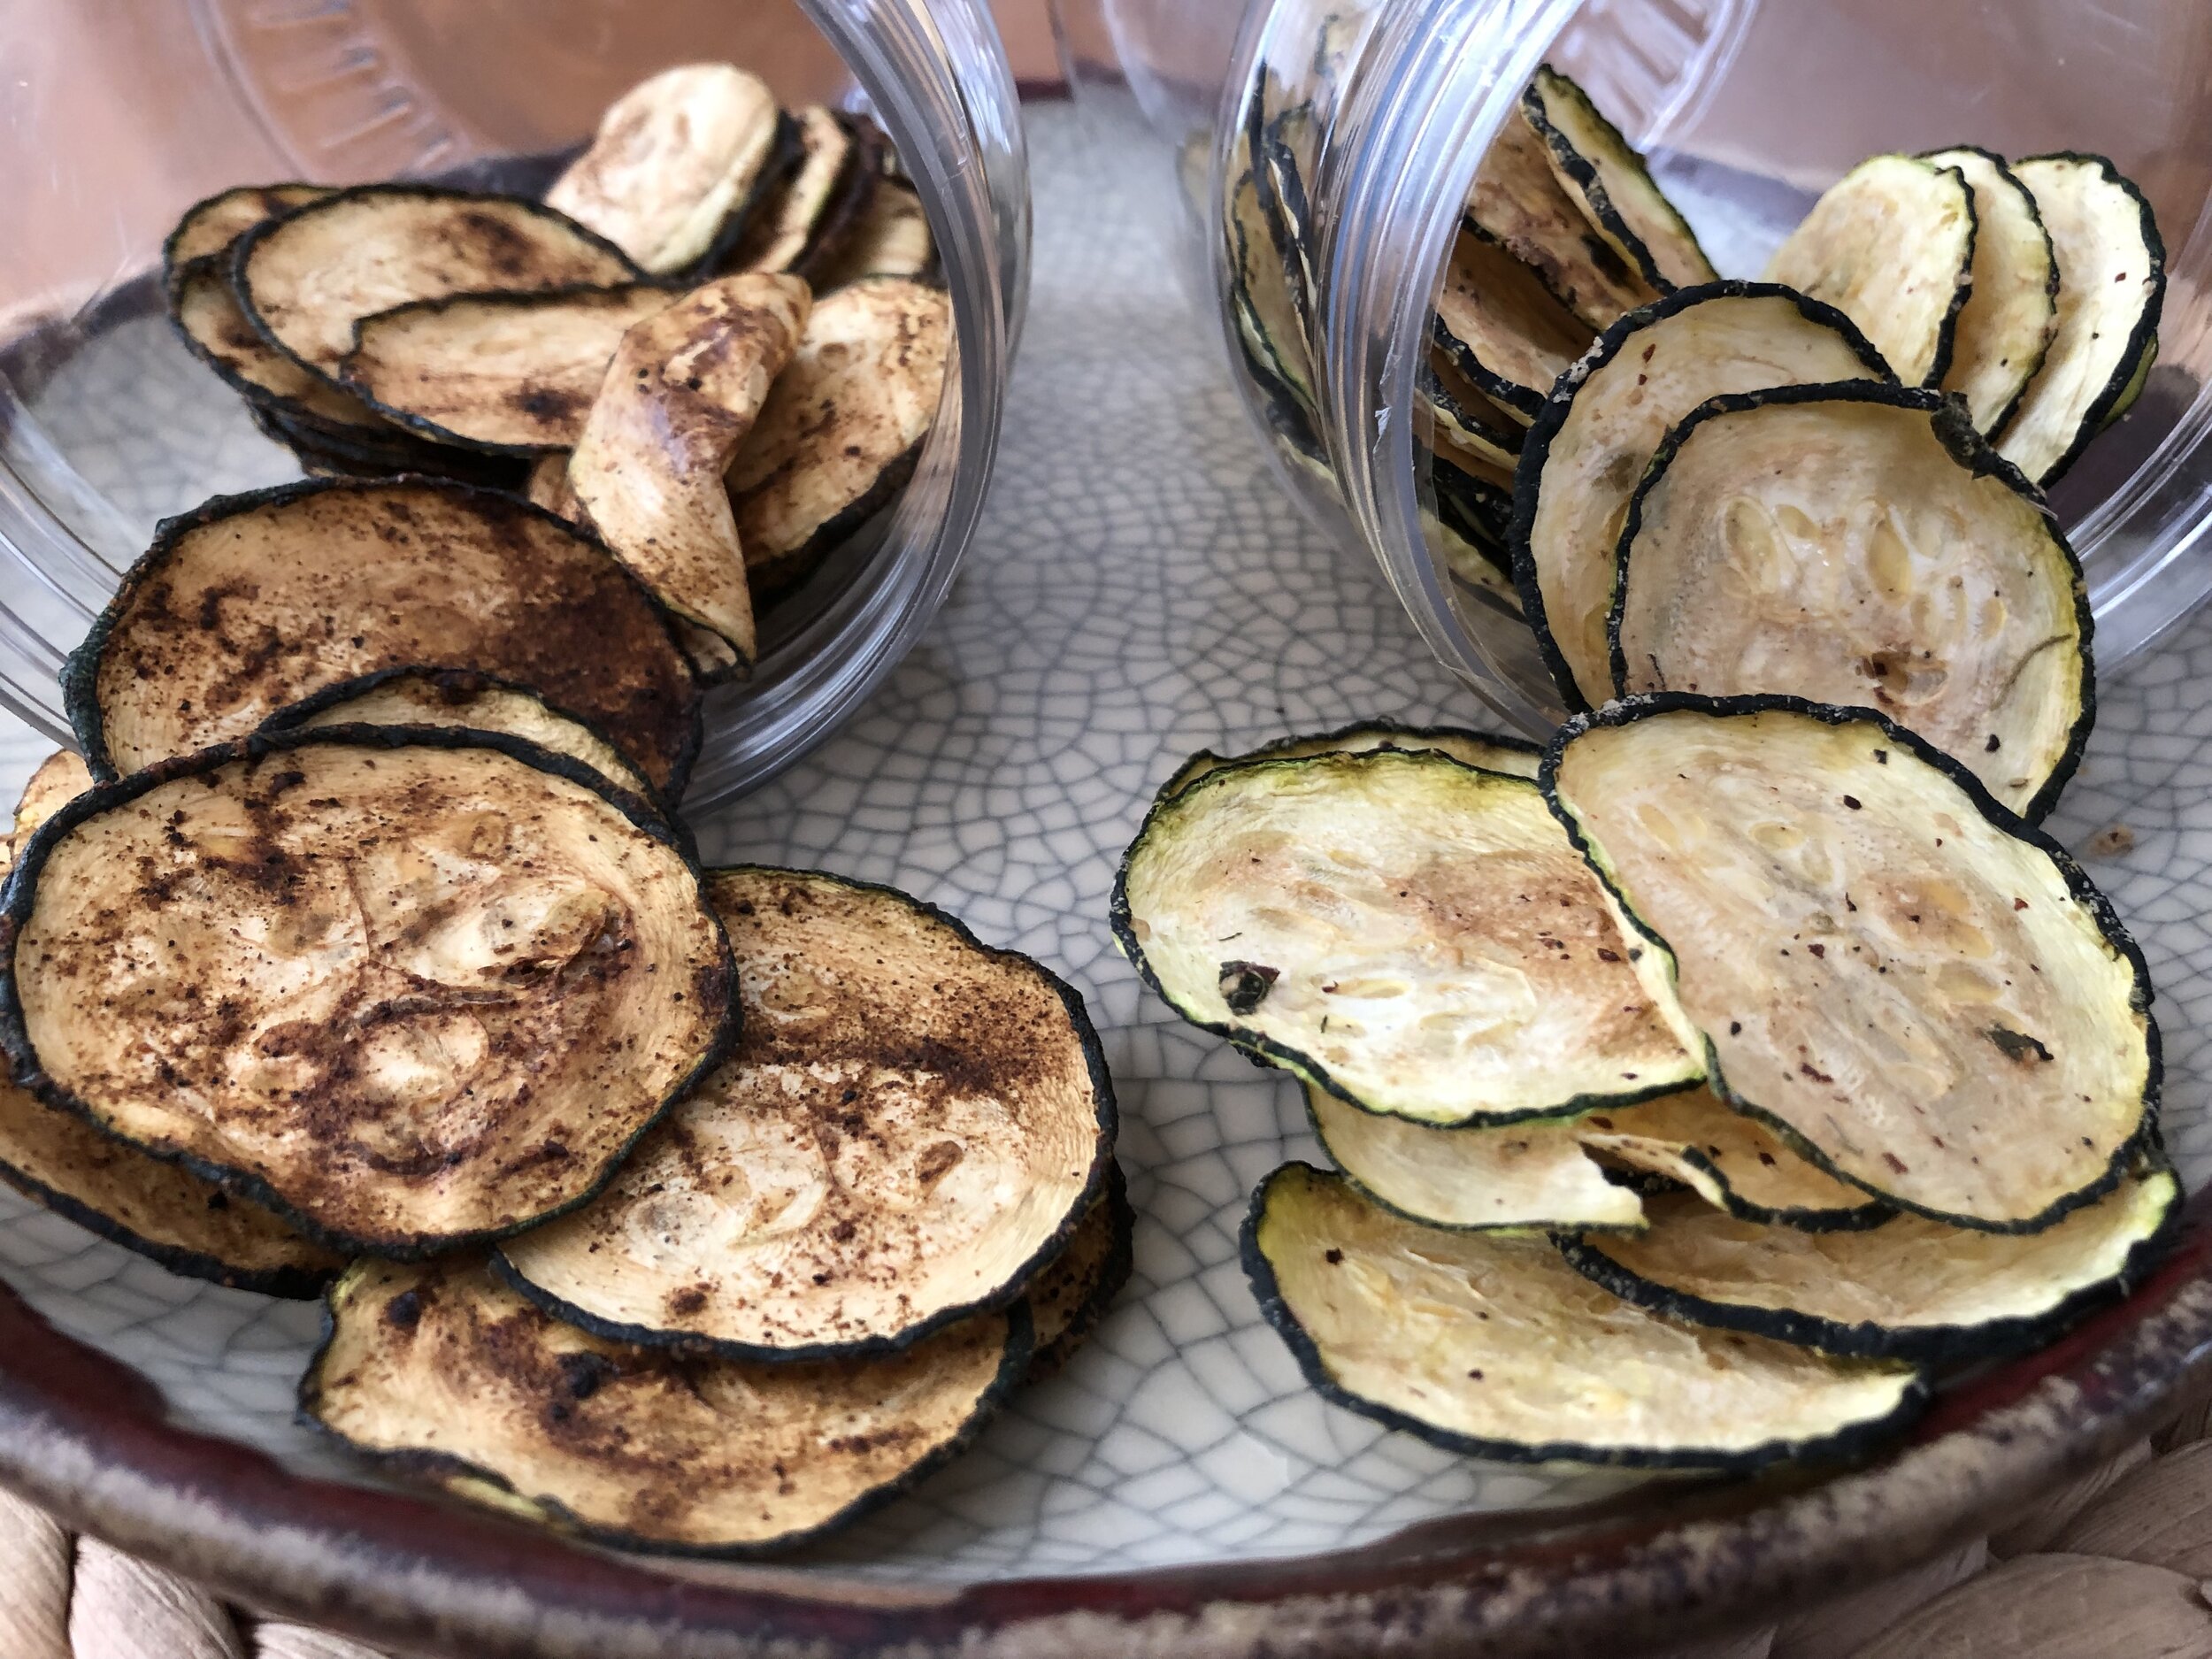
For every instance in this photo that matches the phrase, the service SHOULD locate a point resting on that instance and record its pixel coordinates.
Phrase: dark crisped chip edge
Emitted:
(1113, 1275)
(2050, 285)
(1584, 171)
(786, 152)
(1859, 1218)
(849, 197)
(1207, 760)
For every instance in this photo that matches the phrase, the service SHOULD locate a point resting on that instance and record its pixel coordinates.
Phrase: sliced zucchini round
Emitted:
(1515, 755)
(438, 1373)
(1501, 327)
(1914, 1289)
(1411, 933)
(1861, 545)
(2012, 312)
(1267, 301)
(684, 388)
(1465, 422)
(307, 279)
(251, 602)
(912, 1127)
(1519, 1175)
(462, 697)
(1490, 1344)
(512, 374)
(676, 163)
(1604, 175)
(208, 318)
(1891, 245)
(1927, 996)
(211, 224)
(1072, 1291)
(844, 424)
(405, 988)
(2111, 289)
(890, 239)
(1518, 202)
(1599, 428)
(779, 234)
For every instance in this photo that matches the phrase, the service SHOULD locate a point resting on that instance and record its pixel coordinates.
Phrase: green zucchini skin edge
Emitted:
(1850, 1446)
(436, 1466)
(1955, 429)
(1102, 1172)
(80, 671)
(1927, 1345)
(1962, 288)
(1208, 760)
(1113, 1276)
(1858, 1218)
(1585, 173)
(1552, 415)
(1266, 1051)
(1627, 710)
(2144, 338)
(2050, 285)
(20, 890)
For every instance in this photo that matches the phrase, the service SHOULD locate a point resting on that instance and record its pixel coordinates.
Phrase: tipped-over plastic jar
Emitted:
(118, 120)
(1355, 128)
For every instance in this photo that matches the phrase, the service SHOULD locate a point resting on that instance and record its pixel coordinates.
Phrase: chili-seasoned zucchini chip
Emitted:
(843, 423)
(1072, 1291)
(438, 1372)
(1490, 1344)
(406, 987)
(2111, 288)
(912, 1125)
(2012, 312)
(514, 373)
(307, 279)
(1891, 245)
(1607, 179)
(1501, 327)
(1515, 755)
(210, 225)
(1926, 995)
(1913, 1289)
(462, 697)
(1598, 430)
(1517, 1175)
(1861, 545)
(1734, 1163)
(1518, 202)
(251, 602)
(1409, 933)
(684, 388)
(821, 200)
(676, 163)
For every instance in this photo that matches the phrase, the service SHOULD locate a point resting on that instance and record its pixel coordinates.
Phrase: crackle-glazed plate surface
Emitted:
(1141, 586)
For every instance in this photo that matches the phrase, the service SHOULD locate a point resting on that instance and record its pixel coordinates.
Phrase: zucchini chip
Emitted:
(547, 488)
(1734, 1163)
(1472, 559)
(1501, 327)
(406, 989)
(1914, 1289)
(684, 388)
(1411, 933)
(513, 373)
(844, 422)
(1861, 545)
(1925, 995)
(1598, 430)
(1490, 1344)
(307, 279)
(1891, 245)
(890, 238)
(1519, 1175)
(462, 697)
(676, 163)
(1607, 179)
(1469, 424)
(2111, 288)
(251, 602)
(211, 225)
(1518, 202)
(58, 779)
(1072, 1291)
(912, 1127)
(1515, 755)
(1267, 301)
(829, 188)
(440, 1373)
(1475, 506)
(2012, 312)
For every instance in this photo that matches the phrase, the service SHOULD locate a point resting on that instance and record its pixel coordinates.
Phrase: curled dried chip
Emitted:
(405, 988)
(818, 204)
(1501, 327)
(211, 224)
(2012, 313)
(1518, 202)
(912, 1125)
(1490, 1344)
(1861, 545)
(1923, 994)
(1589, 447)
(1605, 177)
(1912, 1289)
(1072, 1291)
(1891, 245)
(438, 1373)
(253, 602)
(1440, 953)
(1734, 1163)
(1515, 756)
(1466, 422)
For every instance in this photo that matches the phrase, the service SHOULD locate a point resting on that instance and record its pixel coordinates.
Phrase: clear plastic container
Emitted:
(117, 118)
(1748, 108)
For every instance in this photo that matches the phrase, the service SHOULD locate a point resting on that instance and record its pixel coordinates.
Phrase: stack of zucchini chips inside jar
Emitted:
(362, 953)
(1701, 1086)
